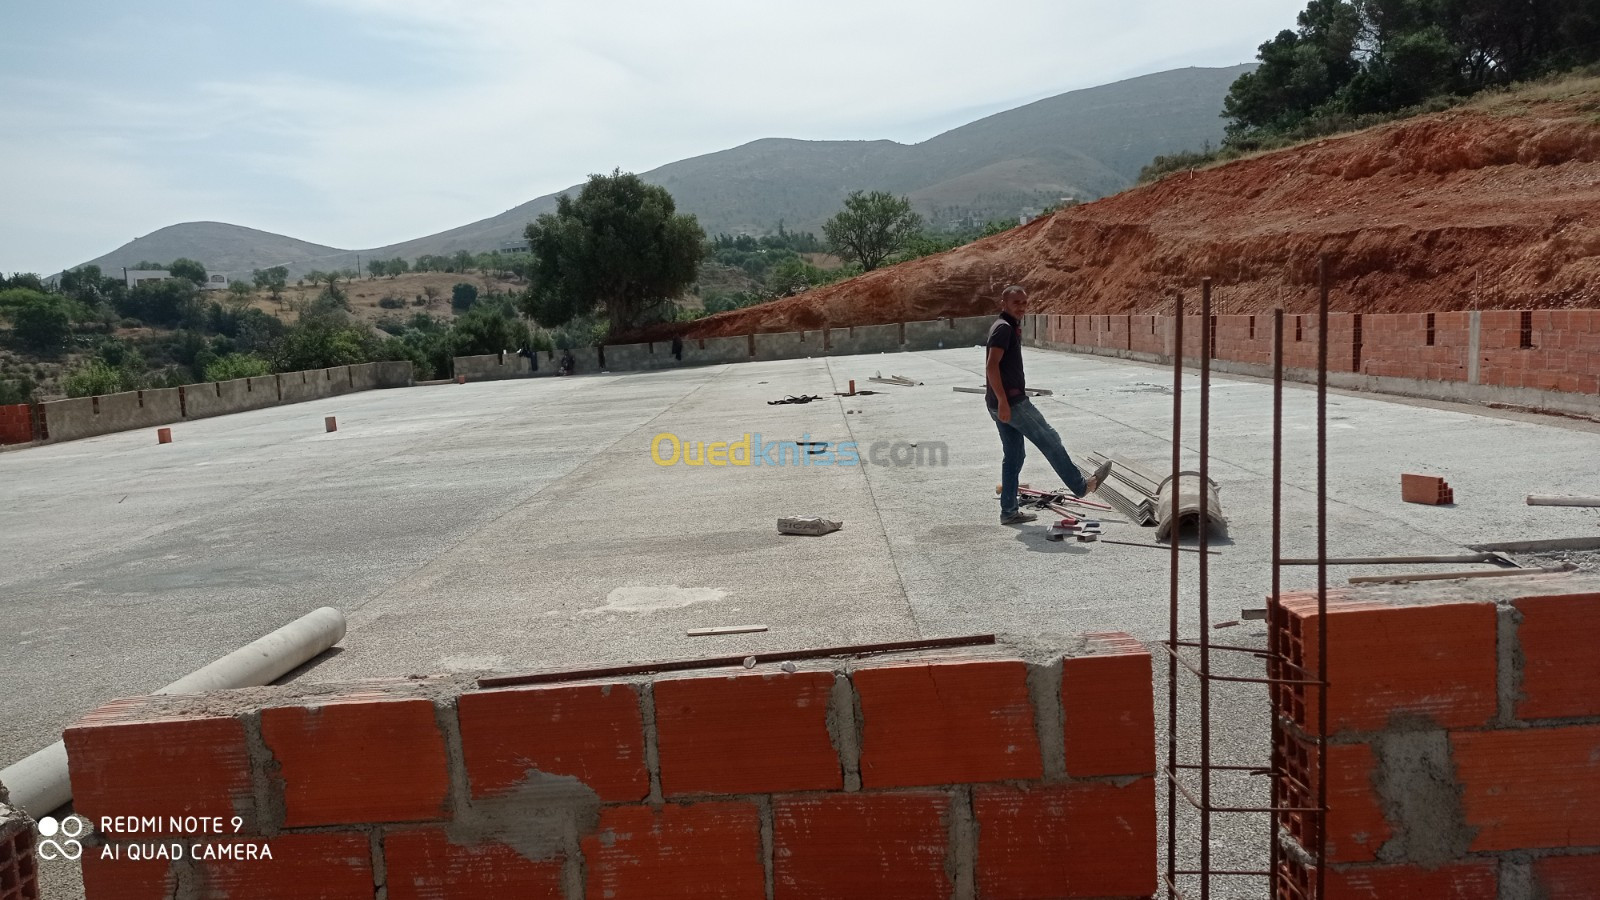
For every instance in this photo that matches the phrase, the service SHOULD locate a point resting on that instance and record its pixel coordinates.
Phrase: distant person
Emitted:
(533, 357)
(677, 348)
(1016, 416)
(568, 364)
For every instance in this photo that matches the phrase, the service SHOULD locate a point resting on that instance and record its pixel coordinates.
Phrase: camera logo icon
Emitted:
(60, 839)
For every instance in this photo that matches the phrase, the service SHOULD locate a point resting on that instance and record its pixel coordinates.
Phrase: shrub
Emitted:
(391, 302)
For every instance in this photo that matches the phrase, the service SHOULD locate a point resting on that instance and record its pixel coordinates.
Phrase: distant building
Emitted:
(516, 247)
(215, 283)
(134, 277)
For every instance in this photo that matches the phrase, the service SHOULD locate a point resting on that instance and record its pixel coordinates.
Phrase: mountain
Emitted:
(1082, 144)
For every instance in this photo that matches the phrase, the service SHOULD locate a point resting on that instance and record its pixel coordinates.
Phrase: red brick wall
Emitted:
(1558, 350)
(905, 776)
(15, 425)
(1465, 725)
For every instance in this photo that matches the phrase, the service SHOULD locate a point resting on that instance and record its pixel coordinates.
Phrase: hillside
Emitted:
(231, 249)
(1082, 144)
(1491, 205)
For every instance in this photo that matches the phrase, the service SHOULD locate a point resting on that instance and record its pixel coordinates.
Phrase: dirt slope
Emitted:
(1493, 205)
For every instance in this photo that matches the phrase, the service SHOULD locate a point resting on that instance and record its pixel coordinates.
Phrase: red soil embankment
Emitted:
(1494, 206)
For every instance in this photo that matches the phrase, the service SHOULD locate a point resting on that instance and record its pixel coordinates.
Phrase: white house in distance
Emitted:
(134, 277)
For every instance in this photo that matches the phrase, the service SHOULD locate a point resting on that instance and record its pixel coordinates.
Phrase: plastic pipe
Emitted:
(40, 785)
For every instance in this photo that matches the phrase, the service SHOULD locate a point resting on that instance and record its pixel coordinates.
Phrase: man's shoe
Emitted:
(1098, 478)
(1018, 518)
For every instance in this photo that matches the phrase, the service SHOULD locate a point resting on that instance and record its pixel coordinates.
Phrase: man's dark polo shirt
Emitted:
(1006, 333)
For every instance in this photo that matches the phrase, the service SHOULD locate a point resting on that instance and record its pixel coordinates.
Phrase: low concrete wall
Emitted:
(789, 345)
(896, 776)
(864, 339)
(81, 417)
(493, 367)
(222, 397)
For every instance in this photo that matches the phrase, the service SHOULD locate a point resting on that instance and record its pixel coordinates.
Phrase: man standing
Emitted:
(1016, 416)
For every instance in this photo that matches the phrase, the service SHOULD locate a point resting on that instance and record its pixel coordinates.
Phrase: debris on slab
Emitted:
(792, 399)
(1429, 490)
(811, 526)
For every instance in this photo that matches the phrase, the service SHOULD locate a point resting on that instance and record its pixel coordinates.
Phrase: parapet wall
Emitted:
(930, 335)
(940, 774)
(80, 417)
(1465, 733)
(1547, 359)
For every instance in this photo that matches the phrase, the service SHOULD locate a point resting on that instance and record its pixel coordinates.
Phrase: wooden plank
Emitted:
(725, 629)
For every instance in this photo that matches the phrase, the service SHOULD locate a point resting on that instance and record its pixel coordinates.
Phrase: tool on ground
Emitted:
(792, 399)
(894, 379)
(1166, 547)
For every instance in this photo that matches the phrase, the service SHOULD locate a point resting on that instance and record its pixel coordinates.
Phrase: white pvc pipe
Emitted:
(1560, 500)
(39, 784)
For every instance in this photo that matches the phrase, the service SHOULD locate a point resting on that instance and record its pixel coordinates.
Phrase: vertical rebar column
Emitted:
(1274, 611)
(1205, 592)
(1322, 577)
(1172, 667)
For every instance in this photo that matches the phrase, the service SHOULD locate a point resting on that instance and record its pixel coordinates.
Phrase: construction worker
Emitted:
(1016, 416)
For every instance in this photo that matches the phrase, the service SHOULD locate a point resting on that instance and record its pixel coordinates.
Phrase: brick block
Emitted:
(1567, 877)
(1108, 712)
(1532, 788)
(746, 734)
(594, 733)
(946, 723)
(123, 763)
(1426, 489)
(1356, 824)
(125, 879)
(320, 866)
(1434, 662)
(359, 761)
(19, 869)
(884, 846)
(1066, 840)
(1475, 880)
(702, 851)
(1561, 668)
(424, 865)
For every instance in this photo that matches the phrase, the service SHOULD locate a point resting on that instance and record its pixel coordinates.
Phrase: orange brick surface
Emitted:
(1476, 880)
(357, 761)
(746, 734)
(424, 865)
(124, 879)
(321, 866)
(1108, 714)
(944, 723)
(1356, 825)
(701, 851)
(842, 846)
(1434, 662)
(1530, 788)
(122, 765)
(594, 733)
(1066, 840)
(1560, 642)
(1567, 877)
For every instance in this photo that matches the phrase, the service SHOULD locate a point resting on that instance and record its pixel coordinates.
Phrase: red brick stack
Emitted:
(16, 424)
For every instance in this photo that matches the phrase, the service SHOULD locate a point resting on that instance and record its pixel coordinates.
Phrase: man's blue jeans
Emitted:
(1027, 422)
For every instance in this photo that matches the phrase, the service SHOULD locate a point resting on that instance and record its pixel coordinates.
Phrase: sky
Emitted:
(360, 123)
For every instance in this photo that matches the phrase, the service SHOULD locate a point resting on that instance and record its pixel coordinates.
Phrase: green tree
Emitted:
(462, 296)
(396, 266)
(621, 246)
(94, 378)
(42, 324)
(376, 268)
(183, 267)
(237, 365)
(273, 281)
(239, 293)
(871, 228)
(489, 328)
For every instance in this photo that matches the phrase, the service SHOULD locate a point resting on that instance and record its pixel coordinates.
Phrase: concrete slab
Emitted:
(524, 523)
